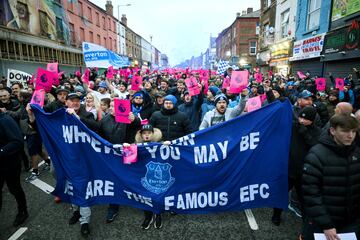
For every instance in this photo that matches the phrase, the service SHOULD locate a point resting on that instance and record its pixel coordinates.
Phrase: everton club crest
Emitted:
(158, 177)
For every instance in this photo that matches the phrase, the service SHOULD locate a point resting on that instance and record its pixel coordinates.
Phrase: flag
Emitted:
(222, 66)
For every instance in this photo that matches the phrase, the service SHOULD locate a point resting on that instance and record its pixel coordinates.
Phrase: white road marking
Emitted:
(42, 185)
(18, 233)
(251, 219)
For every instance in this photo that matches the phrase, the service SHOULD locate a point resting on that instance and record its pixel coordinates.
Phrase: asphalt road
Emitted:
(49, 220)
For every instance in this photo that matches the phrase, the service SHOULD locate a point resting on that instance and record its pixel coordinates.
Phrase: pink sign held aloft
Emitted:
(253, 103)
(258, 77)
(226, 83)
(110, 72)
(301, 75)
(239, 81)
(130, 154)
(192, 86)
(86, 77)
(122, 110)
(204, 74)
(38, 97)
(52, 67)
(320, 84)
(339, 84)
(136, 82)
(206, 86)
(44, 80)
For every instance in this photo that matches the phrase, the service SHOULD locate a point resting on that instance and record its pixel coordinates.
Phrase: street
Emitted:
(49, 220)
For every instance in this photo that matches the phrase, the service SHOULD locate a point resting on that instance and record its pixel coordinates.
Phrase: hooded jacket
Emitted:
(331, 183)
(156, 137)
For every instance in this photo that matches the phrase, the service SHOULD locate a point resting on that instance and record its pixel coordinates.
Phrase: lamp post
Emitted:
(124, 5)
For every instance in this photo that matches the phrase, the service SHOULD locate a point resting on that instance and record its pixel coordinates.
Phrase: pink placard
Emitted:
(226, 83)
(44, 80)
(239, 81)
(55, 78)
(110, 72)
(320, 84)
(339, 84)
(301, 75)
(258, 77)
(192, 86)
(86, 76)
(122, 110)
(52, 67)
(38, 97)
(206, 86)
(136, 82)
(130, 154)
(253, 104)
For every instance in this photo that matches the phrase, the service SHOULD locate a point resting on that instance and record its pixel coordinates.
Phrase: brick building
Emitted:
(238, 42)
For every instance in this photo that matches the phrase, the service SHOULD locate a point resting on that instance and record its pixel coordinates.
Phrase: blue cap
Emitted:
(305, 94)
(214, 90)
(138, 94)
(102, 84)
(171, 98)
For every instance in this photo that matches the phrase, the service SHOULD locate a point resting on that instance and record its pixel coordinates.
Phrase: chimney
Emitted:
(243, 12)
(250, 10)
(124, 19)
(238, 14)
(109, 8)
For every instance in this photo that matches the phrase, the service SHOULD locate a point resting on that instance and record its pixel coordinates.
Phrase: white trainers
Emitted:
(32, 177)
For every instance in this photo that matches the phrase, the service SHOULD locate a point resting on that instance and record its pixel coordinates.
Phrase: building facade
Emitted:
(267, 33)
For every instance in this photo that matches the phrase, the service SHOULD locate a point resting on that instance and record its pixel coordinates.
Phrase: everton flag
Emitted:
(238, 164)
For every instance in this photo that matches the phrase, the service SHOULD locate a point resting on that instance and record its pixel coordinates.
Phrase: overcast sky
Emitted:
(180, 28)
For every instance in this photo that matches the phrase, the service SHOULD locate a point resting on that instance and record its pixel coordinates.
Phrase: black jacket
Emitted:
(13, 109)
(331, 183)
(172, 123)
(115, 132)
(88, 119)
(322, 110)
(11, 143)
(302, 139)
(192, 110)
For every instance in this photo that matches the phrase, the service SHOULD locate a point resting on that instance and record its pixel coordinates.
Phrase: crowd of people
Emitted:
(324, 160)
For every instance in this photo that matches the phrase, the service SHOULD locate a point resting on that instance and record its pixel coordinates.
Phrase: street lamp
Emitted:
(124, 5)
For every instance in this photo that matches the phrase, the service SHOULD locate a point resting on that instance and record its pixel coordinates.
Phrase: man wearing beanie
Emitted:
(172, 123)
(209, 103)
(222, 113)
(305, 134)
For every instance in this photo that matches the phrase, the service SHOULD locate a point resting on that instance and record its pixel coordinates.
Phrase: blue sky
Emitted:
(180, 29)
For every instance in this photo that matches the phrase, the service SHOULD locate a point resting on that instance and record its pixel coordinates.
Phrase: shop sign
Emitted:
(308, 48)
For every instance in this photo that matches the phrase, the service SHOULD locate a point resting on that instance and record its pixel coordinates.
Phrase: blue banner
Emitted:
(239, 164)
(98, 56)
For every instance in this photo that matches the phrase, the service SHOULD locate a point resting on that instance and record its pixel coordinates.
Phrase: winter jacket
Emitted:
(156, 137)
(206, 107)
(13, 109)
(213, 117)
(322, 110)
(172, 123)
(116, 132)
(347, 97)
(331, 183)
(11, 143)
(192, 110)
(302, 139)
(88, 119)
(53, 106)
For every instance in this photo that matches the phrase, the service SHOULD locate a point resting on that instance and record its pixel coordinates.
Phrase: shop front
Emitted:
(280, 54)
(341, 50)
(306, 55)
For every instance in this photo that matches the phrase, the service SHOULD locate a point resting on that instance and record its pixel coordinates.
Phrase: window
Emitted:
(70, 6)
(110, 43)
(97, 19)
(44, 24)
(234, 32)
(82, 34)
(252, 48)
(72, 33)
(114, 28)
(285, 23)
(104, 43)
(313, 15)
(98, 39)
(91, 36)
(81, 9)
(59, 29)
(104, 22)
(89, 14)
(109, 21)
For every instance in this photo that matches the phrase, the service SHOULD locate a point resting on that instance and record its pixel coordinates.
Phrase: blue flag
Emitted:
(235, 165)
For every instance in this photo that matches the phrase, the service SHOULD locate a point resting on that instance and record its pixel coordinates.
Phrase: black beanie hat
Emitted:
(308, 113)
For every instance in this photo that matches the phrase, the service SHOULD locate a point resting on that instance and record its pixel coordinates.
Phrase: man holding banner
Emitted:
(222, 113)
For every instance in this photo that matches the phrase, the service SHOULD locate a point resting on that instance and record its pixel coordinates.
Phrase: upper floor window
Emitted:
(313, 14)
